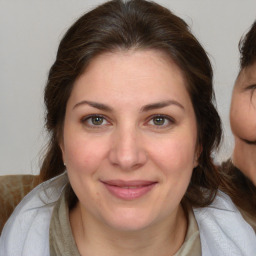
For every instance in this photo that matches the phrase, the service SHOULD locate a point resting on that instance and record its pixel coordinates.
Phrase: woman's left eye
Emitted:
(160, 121)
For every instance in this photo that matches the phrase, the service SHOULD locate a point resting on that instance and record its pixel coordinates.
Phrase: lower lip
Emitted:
(129, 193)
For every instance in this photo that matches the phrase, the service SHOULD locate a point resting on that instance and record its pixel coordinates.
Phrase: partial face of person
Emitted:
(243, 105)
(129, 140)
(243, 121)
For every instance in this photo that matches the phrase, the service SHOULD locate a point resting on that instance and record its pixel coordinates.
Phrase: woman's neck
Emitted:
(96, 239)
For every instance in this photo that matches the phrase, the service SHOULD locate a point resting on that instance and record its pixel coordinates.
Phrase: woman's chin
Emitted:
(129, 220)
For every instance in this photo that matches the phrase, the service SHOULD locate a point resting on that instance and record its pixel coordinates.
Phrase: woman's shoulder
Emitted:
(222, 224)
(28, 227)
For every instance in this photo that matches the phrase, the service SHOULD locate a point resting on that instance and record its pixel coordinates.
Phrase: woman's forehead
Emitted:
(133, 74)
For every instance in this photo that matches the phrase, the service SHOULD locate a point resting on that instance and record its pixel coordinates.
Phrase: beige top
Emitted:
(62, 241)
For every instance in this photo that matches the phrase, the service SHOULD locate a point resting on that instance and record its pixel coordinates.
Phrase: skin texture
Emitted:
(128, 141)
(243, 121)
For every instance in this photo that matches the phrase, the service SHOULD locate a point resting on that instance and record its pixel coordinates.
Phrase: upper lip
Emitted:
(131, 183)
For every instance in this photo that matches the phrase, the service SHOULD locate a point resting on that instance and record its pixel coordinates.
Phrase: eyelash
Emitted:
(170, 121)
(252, 88)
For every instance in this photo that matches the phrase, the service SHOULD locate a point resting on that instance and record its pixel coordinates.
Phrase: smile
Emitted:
(129, 190)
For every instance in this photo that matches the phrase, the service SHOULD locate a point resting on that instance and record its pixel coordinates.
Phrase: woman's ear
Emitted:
(59, 136)
(199, 149)
(61, 145)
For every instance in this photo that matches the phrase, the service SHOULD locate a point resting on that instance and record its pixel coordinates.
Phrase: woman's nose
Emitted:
(127, 150)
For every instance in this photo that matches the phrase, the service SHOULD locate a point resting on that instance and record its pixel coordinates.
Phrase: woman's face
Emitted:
(130, 139)
(243, 120)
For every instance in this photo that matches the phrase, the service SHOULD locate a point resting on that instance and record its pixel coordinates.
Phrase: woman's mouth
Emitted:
(129, 190)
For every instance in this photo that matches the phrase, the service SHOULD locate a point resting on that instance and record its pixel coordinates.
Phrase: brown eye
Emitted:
(159, 120)
(97, 120)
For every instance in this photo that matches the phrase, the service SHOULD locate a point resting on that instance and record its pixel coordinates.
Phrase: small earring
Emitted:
(64, 164)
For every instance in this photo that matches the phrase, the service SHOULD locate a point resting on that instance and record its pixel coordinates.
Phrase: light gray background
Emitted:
(30, 31)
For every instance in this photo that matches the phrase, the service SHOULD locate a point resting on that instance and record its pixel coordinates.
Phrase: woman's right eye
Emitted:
(95, 121)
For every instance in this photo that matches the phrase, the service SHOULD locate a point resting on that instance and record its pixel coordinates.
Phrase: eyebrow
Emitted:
(145, 108)
(94, 105)
(161, 104)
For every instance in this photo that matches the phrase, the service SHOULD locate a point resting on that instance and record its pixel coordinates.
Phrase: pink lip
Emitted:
(129, 190)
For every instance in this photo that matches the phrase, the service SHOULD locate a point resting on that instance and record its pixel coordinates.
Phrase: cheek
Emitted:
(176, 162)
(176, 156)
(83, 160)
(243, 118)
(83, 155)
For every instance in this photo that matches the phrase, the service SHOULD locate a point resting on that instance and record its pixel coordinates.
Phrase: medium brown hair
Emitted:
(135, 24)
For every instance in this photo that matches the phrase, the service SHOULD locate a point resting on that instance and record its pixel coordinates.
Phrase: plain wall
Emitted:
(30, 31)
